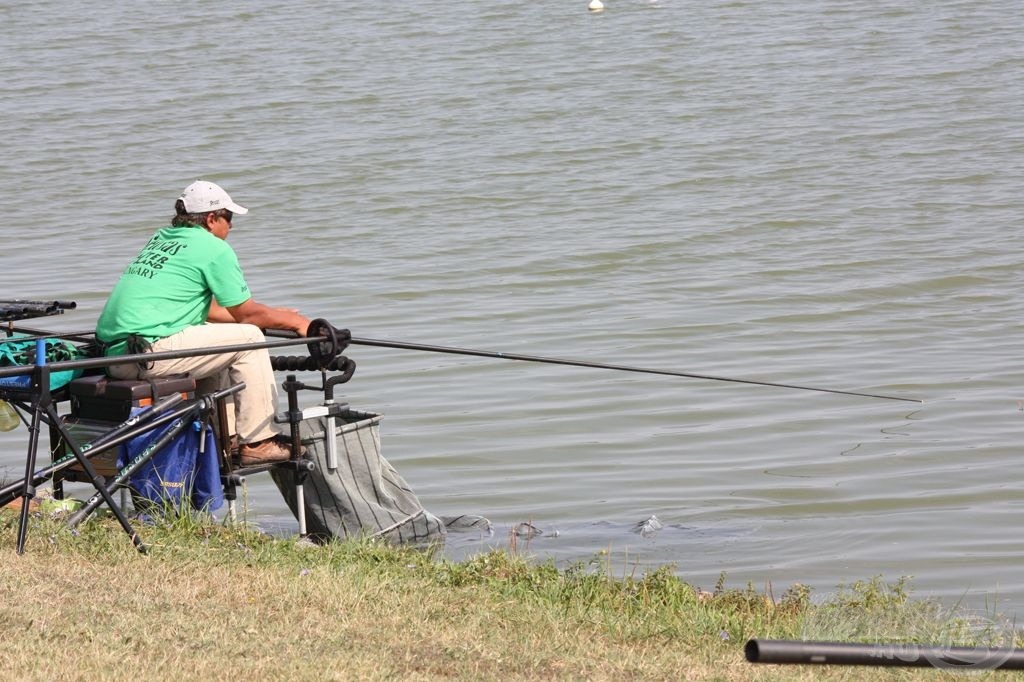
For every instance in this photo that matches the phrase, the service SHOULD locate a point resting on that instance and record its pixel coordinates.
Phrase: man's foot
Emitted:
(264, 452)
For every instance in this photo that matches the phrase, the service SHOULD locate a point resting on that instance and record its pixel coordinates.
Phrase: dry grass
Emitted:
(213, 603)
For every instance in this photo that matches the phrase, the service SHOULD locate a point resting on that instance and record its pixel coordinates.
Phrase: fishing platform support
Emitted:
(323, 341)
(40, 400)
(325, 344)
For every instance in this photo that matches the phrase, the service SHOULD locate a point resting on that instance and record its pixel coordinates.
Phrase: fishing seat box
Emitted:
(101, 398)
(99, 404)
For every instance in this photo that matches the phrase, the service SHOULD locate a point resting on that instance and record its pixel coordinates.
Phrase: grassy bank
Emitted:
(209, 602)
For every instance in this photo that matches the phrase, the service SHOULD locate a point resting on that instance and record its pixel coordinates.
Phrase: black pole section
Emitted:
(291, 339)
(84, 336)
(44, 305)
(11, 311)
(601, 365)
(92, 363)
(890, 655)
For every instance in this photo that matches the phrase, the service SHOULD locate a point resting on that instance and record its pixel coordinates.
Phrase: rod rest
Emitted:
(329, 408)
(306, 363)
(294, 417)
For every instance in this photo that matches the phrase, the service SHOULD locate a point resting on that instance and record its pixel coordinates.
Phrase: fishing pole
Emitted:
(329, 338)
(601, 365)
(103, 362)
(381, 343)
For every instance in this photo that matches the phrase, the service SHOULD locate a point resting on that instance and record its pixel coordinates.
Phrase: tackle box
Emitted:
(100, 398)
(99, 404)
(83, 432)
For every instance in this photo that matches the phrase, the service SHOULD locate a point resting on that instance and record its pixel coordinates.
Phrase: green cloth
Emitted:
(169, 287)
(20, 352)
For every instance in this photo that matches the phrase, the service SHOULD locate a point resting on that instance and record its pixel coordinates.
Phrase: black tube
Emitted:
(15, 302)
(11, 310)
(891, 655)
(82, 336)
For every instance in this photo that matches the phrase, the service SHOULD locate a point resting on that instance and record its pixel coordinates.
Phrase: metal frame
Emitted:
(39, 400)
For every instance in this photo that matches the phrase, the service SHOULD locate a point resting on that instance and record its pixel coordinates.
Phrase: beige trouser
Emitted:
(254, 405)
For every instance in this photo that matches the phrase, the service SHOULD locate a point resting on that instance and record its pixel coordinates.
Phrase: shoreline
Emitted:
(206, 594)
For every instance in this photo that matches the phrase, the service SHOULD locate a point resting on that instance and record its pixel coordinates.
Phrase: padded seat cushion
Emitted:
(131, 389)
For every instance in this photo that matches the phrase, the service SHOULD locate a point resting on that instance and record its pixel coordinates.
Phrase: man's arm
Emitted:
(218, 313)
(263, 316)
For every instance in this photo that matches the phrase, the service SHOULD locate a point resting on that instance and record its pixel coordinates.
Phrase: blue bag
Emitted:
(178, 474)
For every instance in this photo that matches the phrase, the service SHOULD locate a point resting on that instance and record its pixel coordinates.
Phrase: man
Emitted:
(186, 290)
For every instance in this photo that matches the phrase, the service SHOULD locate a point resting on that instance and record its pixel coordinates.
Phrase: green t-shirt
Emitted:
(170, 285)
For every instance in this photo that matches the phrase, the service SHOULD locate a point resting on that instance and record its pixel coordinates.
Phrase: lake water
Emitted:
(825, 194)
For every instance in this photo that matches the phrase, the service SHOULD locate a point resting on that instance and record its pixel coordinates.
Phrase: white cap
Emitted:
(203, 197)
